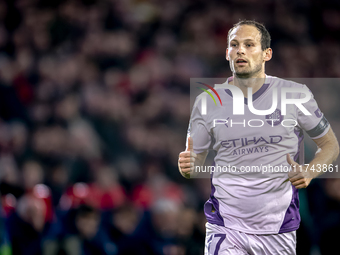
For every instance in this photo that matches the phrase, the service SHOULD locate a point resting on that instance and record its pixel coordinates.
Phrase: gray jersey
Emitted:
(255, 202)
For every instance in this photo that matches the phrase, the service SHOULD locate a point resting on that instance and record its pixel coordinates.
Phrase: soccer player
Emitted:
(251, 212)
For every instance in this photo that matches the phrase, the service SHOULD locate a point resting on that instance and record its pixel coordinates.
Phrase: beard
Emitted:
(247, 71)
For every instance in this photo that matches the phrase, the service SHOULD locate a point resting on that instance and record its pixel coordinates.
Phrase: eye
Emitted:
(233, 45)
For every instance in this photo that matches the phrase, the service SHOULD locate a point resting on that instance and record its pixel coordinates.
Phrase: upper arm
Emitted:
(199, 131)
(316, 124)
(318, 128)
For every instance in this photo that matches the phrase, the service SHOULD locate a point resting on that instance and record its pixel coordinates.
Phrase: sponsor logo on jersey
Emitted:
(318, 113)
(260, 141)
(232, 143)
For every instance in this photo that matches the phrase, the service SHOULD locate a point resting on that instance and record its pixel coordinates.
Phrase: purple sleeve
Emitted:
(316, 125)
(198, 130)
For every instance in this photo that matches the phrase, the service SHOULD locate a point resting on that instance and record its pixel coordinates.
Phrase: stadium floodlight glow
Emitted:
(238, 100)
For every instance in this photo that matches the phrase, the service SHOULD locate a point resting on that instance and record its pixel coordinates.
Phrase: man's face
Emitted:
(87, 225)
(244, 53)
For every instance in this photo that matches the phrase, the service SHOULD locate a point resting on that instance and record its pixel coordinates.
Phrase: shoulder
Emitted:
(279, 82)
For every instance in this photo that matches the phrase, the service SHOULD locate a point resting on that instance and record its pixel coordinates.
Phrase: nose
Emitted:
(240, 49)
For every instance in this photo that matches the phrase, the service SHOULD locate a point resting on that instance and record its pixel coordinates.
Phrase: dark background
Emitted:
(94, 107)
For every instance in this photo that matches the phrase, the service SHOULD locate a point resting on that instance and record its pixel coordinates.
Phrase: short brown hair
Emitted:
(265, 36)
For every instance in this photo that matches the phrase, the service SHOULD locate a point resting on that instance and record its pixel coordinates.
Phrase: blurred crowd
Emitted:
(94, 107)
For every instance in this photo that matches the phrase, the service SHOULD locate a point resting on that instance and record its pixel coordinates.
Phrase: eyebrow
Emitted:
(246, 40)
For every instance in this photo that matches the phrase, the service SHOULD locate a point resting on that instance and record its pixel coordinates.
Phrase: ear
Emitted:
(268, 53)
(226, 54)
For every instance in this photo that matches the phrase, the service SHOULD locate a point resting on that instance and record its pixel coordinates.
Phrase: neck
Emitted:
(244, 83)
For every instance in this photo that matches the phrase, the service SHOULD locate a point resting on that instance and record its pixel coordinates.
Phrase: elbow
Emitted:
(336, 151)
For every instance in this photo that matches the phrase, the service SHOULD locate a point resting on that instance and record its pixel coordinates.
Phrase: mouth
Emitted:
(241, 61)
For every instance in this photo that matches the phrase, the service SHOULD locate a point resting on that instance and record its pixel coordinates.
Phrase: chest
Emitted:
(249, 128)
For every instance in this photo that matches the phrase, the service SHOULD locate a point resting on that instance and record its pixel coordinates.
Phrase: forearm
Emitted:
(327, 153)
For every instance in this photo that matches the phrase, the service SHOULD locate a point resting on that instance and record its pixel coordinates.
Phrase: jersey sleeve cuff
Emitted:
(320, 130)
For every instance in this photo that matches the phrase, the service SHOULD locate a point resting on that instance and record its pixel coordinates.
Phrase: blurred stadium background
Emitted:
(94, 107)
